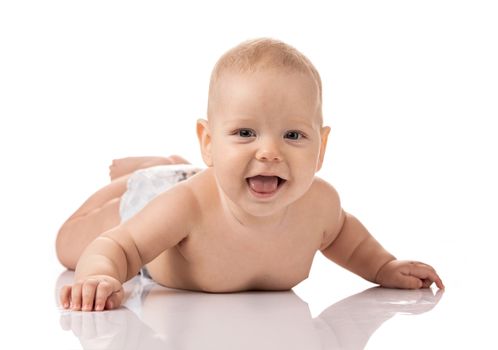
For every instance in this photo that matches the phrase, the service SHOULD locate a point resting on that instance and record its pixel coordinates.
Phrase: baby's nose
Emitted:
(269, 152)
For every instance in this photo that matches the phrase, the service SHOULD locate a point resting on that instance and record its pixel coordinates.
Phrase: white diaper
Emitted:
(145, 184)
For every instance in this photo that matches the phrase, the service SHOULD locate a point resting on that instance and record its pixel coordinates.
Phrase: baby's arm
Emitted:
(348, 243)
(118, 254)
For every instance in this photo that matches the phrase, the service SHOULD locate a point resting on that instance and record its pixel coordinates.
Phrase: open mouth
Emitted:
(265, 185)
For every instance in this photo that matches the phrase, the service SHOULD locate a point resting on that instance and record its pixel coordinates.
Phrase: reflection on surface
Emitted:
(154, 317)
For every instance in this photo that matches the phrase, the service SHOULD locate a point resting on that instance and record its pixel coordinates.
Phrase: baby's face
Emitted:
(265, 138)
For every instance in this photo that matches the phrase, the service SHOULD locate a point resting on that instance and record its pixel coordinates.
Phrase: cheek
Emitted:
(228, 163)
(229, 155)
(228, 159)
(304, 167)
(304, 177)
(306, 158)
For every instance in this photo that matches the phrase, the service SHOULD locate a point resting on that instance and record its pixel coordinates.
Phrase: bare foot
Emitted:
(125, 166)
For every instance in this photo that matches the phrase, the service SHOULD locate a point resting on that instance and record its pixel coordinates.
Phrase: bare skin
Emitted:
(197, 261)
(125, 166)
(253, 220)
(100, 212)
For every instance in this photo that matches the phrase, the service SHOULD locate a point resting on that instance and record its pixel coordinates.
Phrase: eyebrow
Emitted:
(239, 120)
(236, 120)
(301, 122)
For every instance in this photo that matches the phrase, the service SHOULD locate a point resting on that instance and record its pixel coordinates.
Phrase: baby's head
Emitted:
(261, 55)
(264, 133)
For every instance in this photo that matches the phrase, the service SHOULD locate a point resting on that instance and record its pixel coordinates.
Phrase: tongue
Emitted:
(263, 184)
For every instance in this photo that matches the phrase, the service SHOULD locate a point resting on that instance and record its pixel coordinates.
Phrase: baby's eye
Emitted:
(246, 133)
(293, 135)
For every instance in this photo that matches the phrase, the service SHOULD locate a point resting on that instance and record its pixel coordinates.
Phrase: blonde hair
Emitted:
(262, 53)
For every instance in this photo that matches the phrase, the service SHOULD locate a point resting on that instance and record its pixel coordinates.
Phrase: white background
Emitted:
(410, 92)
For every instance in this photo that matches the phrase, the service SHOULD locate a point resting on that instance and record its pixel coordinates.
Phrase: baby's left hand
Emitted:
(408, 275)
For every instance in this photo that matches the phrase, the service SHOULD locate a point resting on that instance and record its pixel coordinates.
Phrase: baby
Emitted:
(253, 220)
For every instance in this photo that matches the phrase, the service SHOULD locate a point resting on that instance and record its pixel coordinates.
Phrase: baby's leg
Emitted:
(98, 214)
(128, 165)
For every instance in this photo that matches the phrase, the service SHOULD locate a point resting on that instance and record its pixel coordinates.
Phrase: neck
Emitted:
(247, 220)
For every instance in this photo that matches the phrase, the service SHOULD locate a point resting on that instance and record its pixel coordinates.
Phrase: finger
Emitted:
(439, 282)
(114, 300)
(76, 296)
(65, 296)
(436, 279)
(88, 294)
(426, 273)
(104, 290)
(426, 283)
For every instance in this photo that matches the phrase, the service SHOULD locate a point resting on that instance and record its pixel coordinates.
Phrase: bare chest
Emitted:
(220, 259)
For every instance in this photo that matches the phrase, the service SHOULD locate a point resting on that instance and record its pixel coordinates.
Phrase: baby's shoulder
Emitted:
(203, 187)
(327, 204)
(323, 192)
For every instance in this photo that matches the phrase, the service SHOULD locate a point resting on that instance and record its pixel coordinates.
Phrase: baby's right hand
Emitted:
(92, 293)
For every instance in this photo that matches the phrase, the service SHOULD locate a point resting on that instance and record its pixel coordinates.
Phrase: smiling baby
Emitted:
(253, 219)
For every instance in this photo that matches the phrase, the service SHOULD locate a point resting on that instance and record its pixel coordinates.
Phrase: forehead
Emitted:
(267, 93)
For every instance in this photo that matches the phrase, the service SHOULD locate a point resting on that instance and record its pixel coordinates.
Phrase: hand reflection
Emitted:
(154, 317)
(349, 323)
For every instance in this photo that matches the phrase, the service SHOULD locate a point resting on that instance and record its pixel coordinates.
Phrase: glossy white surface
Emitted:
(155, 317)
(410, 93)
(337, 311)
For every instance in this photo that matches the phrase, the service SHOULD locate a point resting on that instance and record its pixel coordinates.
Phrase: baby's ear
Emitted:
(324, 135)
(204, 136)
